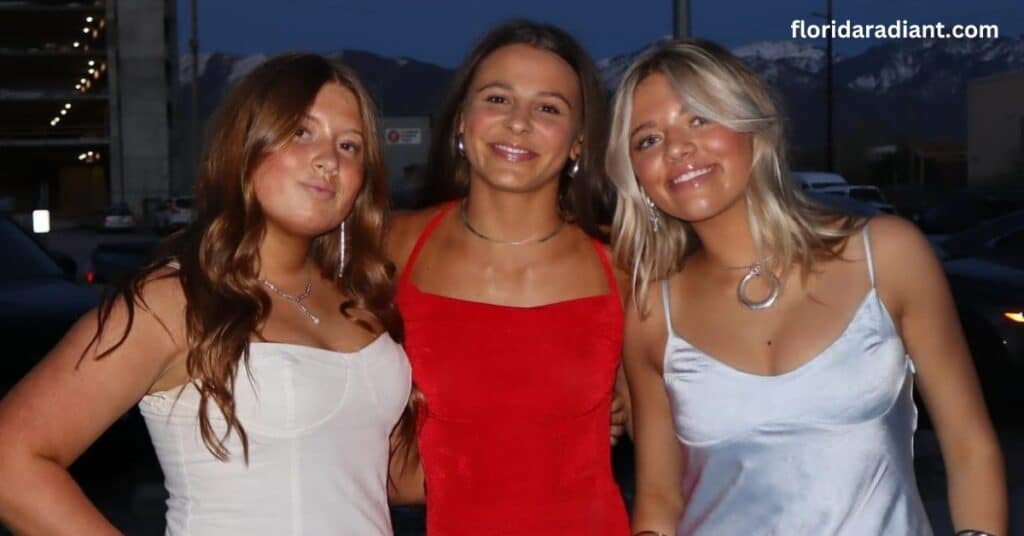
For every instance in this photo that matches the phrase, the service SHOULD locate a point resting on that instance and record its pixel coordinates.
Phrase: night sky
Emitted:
(441, 31)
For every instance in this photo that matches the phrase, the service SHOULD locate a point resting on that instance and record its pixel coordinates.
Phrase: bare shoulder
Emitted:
(406, 228)
(892, 234)
(905, 261)
(646, 330)
(157, 315)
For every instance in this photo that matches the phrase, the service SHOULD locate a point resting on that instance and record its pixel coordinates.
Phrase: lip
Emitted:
(512, 152)
(694, 178)
(319, 189)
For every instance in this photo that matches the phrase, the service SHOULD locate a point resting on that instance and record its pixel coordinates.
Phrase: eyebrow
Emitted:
(352, 130)
(508, 87)
(640, 127)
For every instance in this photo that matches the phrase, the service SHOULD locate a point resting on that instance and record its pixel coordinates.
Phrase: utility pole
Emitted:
(680, 18)
(829, 95)
(193, 44)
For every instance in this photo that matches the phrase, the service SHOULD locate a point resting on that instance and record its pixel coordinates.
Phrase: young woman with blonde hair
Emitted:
(260, 345)
(774, 344)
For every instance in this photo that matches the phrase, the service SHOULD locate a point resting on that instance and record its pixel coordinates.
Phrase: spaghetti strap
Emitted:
(427, 231)
(609, 272)
(867, 252)
(665, 304)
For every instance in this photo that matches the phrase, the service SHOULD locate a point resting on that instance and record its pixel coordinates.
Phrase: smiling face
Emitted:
(520, 119)
(692, 168)
(308, 186)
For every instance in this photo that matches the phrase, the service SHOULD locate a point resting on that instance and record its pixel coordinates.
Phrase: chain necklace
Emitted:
(296, 298)
(465, 223)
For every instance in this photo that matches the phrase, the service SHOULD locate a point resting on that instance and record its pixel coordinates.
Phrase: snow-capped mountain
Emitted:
(912, 89)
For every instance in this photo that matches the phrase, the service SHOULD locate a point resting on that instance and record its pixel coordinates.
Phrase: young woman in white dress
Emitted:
(259, 345)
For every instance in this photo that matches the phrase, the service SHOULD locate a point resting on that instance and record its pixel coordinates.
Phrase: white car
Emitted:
(818, 180)
(862, 192)
(176, 212)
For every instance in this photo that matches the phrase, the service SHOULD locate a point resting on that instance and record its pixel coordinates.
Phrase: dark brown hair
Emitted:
(218, 254)
(580, 198)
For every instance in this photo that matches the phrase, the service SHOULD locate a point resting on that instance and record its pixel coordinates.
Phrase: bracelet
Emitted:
(972, 532)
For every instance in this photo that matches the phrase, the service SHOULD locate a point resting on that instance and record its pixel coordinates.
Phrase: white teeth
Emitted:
(690, 175)
(510, 149)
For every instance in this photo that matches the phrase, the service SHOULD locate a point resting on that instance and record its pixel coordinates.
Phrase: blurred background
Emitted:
(104, 105)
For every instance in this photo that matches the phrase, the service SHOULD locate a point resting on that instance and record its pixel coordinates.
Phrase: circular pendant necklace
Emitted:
(755, 271)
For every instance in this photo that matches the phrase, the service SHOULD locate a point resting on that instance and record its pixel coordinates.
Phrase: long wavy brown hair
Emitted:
(218, 255)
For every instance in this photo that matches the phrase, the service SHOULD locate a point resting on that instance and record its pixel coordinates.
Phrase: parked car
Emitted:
(985, 267)
(39, 300)
(844, 203)
(817, 180)
(117, 217)
(964, 210)
(175, 213)
(862, 192)
(111, 261)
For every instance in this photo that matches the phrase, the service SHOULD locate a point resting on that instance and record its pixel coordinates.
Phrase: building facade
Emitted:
(85, 104)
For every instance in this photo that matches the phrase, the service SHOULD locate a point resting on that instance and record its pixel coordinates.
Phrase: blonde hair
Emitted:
(787, 227)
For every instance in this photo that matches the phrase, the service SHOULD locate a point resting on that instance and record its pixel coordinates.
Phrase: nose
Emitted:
(325, 158)
(679, 145)
(518, 120)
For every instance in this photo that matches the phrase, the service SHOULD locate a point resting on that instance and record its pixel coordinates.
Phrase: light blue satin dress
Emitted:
(824, 449)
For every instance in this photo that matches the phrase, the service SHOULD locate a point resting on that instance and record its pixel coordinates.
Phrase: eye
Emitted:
(349, 146)
(496, 99)
(646, 142)
(303, 133)
(550, 109)
(698, 121)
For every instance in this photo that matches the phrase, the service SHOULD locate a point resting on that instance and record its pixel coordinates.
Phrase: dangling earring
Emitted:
(652, 212)
(460, 146)
(341, 249)
(574, 169)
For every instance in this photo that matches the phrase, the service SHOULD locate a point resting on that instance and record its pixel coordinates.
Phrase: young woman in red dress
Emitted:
(512, 309)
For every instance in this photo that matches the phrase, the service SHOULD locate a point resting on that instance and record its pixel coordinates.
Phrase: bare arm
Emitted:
(659, 459)
(406, 483)
(622, 412)
(913, 283)
(63, 405)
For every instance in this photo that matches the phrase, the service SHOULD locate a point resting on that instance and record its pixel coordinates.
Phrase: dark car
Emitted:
(985, 267)
(114, 260)
(38, 301)
(966, 209)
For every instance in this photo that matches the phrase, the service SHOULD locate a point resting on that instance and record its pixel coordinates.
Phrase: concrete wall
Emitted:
(995, 127)
(142, 60)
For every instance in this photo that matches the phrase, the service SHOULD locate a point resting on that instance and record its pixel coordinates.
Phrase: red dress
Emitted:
(514, 424)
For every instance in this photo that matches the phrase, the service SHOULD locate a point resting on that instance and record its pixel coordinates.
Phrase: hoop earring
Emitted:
(460, 146)
(341, 249)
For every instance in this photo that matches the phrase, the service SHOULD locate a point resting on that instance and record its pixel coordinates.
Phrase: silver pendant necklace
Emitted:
(755, 271)
(296, 298)
(465, 223)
